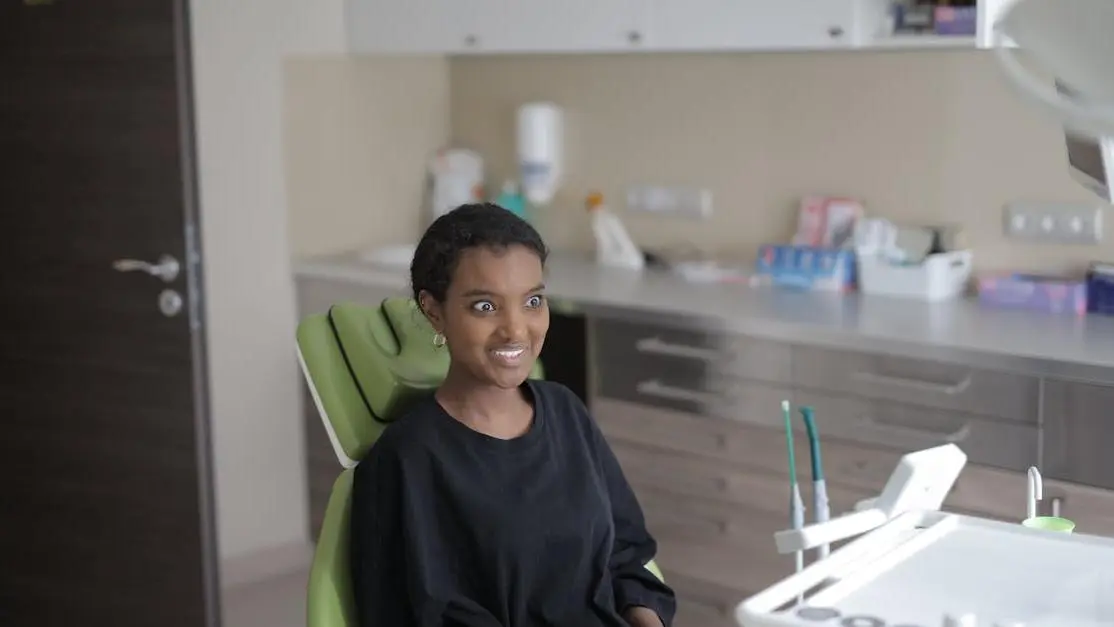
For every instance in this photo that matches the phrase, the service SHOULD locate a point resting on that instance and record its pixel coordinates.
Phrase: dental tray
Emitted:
(925, 565)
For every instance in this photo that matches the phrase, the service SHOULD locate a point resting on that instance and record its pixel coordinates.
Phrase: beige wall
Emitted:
(918, 135)
(249, 292)
(359, 133)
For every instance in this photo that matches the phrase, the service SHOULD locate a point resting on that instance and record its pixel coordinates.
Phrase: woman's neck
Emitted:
(495, 411)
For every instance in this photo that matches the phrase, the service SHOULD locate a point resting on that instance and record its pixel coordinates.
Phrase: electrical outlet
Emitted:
(1053, 223)
(688, 202)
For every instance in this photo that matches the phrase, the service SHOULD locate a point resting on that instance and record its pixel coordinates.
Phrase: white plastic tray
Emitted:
(922, 566)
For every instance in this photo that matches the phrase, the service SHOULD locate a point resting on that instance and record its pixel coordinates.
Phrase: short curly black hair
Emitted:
(477, 225)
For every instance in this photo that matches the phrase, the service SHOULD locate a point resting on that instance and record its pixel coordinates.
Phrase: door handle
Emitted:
(914, 384)
(658, 347)
(912, 437)
(166, 269)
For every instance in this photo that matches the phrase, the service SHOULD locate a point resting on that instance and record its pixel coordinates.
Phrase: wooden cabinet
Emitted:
(751, 24)
(1078, 430)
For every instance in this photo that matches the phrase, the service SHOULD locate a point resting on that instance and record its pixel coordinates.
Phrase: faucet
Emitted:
(1034, 493)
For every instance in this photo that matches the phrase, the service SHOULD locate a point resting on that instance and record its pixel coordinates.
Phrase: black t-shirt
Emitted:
(451, 527)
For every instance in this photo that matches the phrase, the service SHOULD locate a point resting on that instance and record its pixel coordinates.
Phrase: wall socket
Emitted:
(1053, 223)
(686, 202)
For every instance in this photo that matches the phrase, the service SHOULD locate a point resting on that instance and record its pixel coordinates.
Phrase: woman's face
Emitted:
(495, 314)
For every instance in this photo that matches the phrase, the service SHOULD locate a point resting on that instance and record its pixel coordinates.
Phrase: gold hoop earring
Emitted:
(439, 339)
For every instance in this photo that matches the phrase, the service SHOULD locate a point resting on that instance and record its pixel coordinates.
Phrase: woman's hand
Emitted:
(638, 616)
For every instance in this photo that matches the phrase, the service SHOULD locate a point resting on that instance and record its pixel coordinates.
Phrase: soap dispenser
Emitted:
(614, 246)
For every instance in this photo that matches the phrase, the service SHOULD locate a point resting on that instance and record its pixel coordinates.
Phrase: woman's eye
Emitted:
(483, 306)
(535, 301)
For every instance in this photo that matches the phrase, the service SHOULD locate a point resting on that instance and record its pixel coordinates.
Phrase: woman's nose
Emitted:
(513, 328)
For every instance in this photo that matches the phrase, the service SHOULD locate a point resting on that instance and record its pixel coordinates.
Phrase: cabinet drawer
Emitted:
(1092, 509)
(699, 606)
(693, 390)
(853, 471)
(704, 478)
(743, 446)
(920, 382)
(907, 428)
(675, 516)
(717, 578)
(621, 345)
(1001, 495)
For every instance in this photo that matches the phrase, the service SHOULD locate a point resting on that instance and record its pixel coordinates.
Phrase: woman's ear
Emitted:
(433, 310)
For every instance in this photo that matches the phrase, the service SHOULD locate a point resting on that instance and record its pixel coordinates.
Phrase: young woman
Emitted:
(496, 502)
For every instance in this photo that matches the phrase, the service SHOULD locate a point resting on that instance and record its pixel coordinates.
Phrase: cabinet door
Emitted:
(564, 26)
(1078, 430)
(408, 26)
(751, 24)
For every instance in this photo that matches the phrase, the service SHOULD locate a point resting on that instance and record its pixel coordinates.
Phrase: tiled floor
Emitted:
(277, 602)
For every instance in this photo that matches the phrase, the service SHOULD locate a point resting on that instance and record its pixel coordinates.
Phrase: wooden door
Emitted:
(107, 514)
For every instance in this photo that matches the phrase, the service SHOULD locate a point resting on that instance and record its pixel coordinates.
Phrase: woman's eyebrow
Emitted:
(474, 293)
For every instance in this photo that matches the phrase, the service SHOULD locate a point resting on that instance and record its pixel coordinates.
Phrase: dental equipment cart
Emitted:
(915, 566)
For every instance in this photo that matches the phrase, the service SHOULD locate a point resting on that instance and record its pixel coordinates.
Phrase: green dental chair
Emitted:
(364, 366)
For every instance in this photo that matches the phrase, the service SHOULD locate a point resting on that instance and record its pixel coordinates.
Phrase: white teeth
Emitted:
(510, 354)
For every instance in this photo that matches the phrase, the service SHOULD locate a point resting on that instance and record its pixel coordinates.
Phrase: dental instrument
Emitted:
(1033, 493)
(822, 510)
(796, 504)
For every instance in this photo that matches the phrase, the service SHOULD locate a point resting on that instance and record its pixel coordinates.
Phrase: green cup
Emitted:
(1050, 523)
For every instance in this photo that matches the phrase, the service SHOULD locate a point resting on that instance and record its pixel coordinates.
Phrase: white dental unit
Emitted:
(910, 564)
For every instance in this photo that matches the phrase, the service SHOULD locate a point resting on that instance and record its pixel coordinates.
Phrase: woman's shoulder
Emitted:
(564, 408)
(558, 397)
(409, 429)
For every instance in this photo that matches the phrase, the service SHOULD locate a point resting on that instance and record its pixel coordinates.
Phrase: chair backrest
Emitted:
(364, 366)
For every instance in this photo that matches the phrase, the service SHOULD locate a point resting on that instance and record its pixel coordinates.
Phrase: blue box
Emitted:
(808, 267)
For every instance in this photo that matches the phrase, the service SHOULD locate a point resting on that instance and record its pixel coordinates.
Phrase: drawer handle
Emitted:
(913, 437)
(656, 388)
(915, 384)
(659, 347)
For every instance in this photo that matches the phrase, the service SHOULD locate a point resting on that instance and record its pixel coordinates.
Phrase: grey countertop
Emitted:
(960, 331)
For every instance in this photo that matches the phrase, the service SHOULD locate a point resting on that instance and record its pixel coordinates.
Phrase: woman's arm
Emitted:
(397, 555)
(641, 598)
(377, 547)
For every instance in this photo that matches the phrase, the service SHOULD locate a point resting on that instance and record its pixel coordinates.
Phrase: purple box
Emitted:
(959, 21)
(1036, 293)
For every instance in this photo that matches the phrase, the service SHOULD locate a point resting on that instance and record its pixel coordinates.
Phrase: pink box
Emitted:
(1035, 293)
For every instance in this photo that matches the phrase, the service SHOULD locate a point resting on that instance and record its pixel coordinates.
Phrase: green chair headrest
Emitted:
(365, 365)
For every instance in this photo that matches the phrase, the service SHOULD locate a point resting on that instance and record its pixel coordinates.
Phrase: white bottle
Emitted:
(614, 246)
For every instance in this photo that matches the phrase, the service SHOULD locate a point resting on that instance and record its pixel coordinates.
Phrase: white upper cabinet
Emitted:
(408, 26)
(495, 26)
(571, 26)
(751, 24)
(558, 25)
